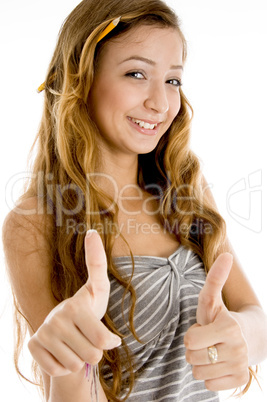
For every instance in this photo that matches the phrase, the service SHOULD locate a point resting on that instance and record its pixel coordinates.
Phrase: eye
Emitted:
(175, 82)
(135, 74)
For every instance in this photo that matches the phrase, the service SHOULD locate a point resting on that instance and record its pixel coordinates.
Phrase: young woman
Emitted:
(133, 300)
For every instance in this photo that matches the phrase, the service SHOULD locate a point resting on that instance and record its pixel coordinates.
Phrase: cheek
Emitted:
(175, 105)
(103, 91)
(127, 97)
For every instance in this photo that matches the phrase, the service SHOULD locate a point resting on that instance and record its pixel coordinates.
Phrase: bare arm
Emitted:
(237, 332)
(243, 302)
(246, 309)
(28, 263)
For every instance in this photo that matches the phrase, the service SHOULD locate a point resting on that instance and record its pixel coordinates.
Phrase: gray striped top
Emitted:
(167, 292)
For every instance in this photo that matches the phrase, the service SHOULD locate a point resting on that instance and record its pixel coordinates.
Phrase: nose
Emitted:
(157, 98)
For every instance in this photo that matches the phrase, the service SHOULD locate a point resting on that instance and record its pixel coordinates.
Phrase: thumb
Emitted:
(210, 300)
(98, 283)
(95, 258)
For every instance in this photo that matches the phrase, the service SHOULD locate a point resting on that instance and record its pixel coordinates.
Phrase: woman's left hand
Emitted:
(216, 326)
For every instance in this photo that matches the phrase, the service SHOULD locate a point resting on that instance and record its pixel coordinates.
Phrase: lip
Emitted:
(145, 131)
(146, 121)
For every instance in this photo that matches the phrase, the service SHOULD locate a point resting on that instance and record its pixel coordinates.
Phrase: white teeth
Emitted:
(151, 126)
(142, 124)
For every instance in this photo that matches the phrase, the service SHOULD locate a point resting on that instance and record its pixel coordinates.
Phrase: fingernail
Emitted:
(116, 341)
(90, 232)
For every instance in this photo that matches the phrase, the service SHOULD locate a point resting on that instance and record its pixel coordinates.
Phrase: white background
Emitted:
(225, 81)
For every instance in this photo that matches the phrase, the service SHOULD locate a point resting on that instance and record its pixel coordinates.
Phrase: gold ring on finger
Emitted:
(213, 354)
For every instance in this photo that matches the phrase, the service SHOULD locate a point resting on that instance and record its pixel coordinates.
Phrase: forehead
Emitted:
(149, 41)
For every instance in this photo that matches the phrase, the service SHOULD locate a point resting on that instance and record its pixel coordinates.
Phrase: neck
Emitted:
(116, 173)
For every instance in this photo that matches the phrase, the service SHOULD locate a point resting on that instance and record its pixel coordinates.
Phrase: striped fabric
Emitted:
(167, 292)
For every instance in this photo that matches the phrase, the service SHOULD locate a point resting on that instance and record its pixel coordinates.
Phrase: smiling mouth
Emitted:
(144, 124)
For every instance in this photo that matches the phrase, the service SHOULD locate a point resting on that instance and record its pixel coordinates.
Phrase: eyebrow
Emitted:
(151, 62)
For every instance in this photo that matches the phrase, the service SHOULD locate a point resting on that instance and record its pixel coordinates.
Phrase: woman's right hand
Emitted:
(72, 333)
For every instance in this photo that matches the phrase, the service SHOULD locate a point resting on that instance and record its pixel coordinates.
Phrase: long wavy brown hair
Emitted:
(67, 157)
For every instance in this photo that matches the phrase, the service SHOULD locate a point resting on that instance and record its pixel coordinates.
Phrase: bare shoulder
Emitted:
(27, 215)
(26, 229)
(27, 245)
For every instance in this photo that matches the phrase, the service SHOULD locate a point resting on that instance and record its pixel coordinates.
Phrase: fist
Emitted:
(72, 333)
(216, 326)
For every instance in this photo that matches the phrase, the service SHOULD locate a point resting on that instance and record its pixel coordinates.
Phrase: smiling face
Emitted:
(135, 94)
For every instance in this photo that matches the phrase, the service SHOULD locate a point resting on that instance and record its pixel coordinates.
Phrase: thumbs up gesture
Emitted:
(215, 345)
(72, 333)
